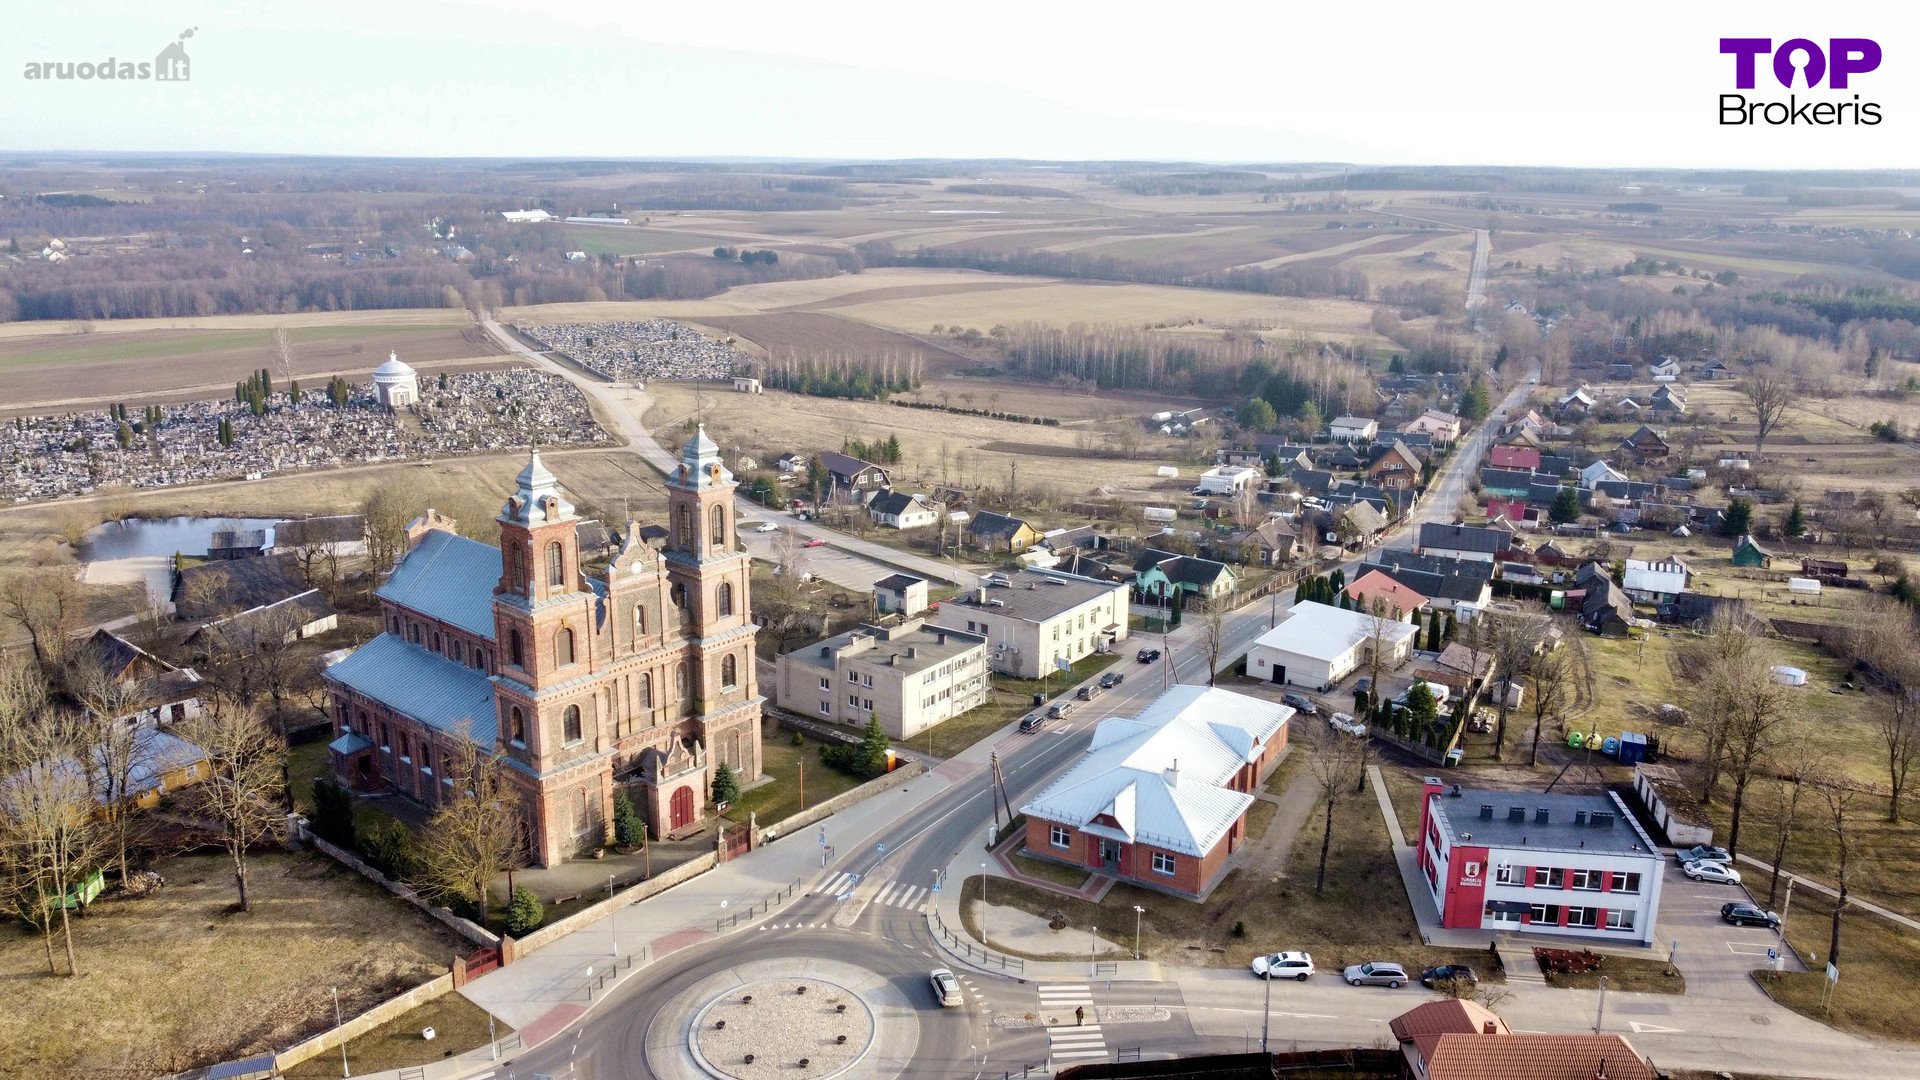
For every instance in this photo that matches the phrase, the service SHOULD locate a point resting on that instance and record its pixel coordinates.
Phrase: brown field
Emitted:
(67, 372)
(176, 980)
(806, 335)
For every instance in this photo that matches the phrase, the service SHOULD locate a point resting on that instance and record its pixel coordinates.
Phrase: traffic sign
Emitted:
(1833, 973)
(881, 848)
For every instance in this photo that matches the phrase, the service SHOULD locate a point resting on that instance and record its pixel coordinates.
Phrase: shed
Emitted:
(1805, 586)
(1788, 675)
(1748, 552)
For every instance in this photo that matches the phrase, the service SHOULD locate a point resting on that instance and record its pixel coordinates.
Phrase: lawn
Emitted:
(1876, 994)
(458, 1026)
(955, 735)
(1632, 974)
(175, 981)
(781, 799)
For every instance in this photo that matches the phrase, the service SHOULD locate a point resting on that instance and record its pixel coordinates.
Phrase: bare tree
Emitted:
(1246, 507)
(1213, 634)
(1337, 768)
(1769, 390)
(112, 742)
(1516, 640)
(1838, 794)
(1761, 719)
(1376, 642)
(475, 835)
(283, 354)
(50, 838)
(1562, 683)
(1898, 720)
(388, 508)
(1792, 782)
(1717, 667)
(244, 792)
(46, 603)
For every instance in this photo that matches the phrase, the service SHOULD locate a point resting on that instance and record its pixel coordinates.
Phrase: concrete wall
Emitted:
(843, 800)
(365, 1022)
(580, 920)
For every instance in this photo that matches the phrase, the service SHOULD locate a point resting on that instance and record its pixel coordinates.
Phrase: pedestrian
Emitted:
(1079, 1015)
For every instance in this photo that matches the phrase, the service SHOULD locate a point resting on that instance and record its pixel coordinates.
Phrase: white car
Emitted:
(1345, 722)
(1712, 872)
(1283, 965)
(946, 988)
(767, 526)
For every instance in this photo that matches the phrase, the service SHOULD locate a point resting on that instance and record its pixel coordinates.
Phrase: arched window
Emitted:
(729, 672)
(725, 598)
(563, 647)
(517, 726)
(393, 623)
(719, 537)
(678, 593)
(682, 535)
(570, 723)
(680, 678)
(646, 691)
(639, 618)
(556, 566)
(413, 633)
(516, 649)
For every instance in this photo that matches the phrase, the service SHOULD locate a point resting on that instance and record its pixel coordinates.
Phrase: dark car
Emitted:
(1086, 693)
(1148, 656)
(1461, 973)
(1034, 722)
(1363, 685)
(1743, 914)
(1111, 679)
(1301, 703)
(1702, 853)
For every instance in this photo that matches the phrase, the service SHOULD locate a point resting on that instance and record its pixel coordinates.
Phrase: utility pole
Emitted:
(1600, 1017)
(1137, 912)
(1266, 1009)
(1786, 906)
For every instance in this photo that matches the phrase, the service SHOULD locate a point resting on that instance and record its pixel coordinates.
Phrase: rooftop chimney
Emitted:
(1540, 816)
(912, 652)
(1579, 817)
(1486, 811)
(1517, 814)
(1489, 1027)
(1172, 774)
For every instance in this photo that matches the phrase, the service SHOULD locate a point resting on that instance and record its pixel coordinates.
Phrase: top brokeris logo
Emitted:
(172, 65)
(1837, 64)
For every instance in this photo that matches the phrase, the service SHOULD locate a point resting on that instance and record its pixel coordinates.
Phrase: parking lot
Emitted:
(1707, 947)
(825, 562)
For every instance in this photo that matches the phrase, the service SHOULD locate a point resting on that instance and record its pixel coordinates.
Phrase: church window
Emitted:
(563, 647)
(570, 723)
(646, 691)
(725, 597)
(684, 530)
(516, 648)
(639, 618)
(719, 538)
(729, 672)
(556, 566)
(517, 726)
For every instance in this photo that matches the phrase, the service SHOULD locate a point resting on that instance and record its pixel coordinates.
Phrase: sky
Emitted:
(1629, 83)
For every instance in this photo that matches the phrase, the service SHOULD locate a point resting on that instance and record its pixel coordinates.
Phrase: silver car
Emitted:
(1376, 973)
(946, 988)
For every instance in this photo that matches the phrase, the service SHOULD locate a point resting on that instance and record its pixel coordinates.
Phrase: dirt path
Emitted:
(1292, 807)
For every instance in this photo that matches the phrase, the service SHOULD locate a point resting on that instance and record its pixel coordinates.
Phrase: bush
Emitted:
(525, 912)
(332, 818)
(726, 787)
(628, 826)
(798, 739)
(389, 847)
(863, 760)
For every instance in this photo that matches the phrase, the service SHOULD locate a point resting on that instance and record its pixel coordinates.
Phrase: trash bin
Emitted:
(1453, 756)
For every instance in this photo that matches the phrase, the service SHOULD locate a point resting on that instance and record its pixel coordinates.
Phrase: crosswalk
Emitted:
(1070, 1041)
(893, 894)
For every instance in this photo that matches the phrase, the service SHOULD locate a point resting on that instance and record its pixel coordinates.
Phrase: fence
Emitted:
(658, 883)
(466, 928)
(365, 1022)
(967, 947)
(757, 908)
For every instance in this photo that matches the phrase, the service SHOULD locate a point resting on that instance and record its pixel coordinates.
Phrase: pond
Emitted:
(160, 536)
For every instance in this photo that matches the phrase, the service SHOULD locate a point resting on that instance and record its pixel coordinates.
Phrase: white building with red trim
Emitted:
(1509, 861)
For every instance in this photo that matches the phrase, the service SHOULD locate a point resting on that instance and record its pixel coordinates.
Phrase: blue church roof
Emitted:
(421, 684)
(450, 578)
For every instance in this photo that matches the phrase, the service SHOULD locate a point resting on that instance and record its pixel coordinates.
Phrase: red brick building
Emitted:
(1161, 799)
(638, 677)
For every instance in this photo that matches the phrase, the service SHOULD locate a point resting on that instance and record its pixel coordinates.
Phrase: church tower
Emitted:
(707, 571)
(542, 612)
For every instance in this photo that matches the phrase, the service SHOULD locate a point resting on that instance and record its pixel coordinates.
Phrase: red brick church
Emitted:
(637, 677)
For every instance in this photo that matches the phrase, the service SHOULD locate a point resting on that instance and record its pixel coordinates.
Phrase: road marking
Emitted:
(1747, 948)
(1653, 1029)
(1308, 1016)
(1070, 1041)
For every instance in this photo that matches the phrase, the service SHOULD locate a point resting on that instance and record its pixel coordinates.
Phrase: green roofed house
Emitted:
(1748, 552)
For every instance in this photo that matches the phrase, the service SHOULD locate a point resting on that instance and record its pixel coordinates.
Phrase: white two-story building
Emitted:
(1572, 865)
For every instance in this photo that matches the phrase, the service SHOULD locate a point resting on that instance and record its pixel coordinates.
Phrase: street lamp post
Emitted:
(985, 938)
(1786, 906)
(1093, 944)
(1266, 1008)
(1137, 912)
(1600, 1017)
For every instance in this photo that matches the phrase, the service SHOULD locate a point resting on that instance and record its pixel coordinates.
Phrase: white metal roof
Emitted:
(1323, 632)
(1159, 778)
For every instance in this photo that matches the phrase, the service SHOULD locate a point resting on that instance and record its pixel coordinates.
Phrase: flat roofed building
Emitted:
(1033, 619)
(1528, 862)
(910, 677)
(1317, 645)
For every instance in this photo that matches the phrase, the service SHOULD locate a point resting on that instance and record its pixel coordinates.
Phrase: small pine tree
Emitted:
(1448, 625)
(1433, 631)
(1346, 602)
(332, 818)
(525, 912)
(628, 827)
(874, 748)
(1796, 523)
(293, 392)
(1566, 507)
(123, 435)
(726, 787)
(1422, 709)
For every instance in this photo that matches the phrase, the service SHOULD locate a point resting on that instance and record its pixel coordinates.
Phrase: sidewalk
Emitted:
(1853, 899)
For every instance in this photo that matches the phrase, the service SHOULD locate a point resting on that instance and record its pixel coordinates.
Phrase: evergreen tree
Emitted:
(525, 912)
(1448, 624)
(1873, 361)
(1346, 602)
(1311, 418)
(332, 818)
(1433, 631)
(293, 392)
(1257, 415)
(726, 787)
(1738, 519)
(1796, 523)
(1339, 579)
(123, 435)
(874, 748)
(628, 827)
(1566, 507)
(1422, 709)
(1476, 403)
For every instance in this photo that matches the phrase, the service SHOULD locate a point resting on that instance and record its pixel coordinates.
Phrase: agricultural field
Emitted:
(68, 372)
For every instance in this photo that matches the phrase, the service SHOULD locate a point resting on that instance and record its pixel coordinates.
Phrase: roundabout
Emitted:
(786, 1017)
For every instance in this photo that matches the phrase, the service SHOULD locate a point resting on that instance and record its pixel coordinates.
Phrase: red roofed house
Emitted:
(1514, 457)
(1513, 509)
(1395, 598)
(1460, 1040)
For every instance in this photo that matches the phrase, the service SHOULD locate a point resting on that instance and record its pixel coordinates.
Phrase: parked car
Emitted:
(1376, 973)
(1713, 873)
(767, 526)
(1702, 853)
(946, 988)
(1460, 973)
(1086, 693)
(1059, 709)
(1283, 965)
(1301, 703)
(1148, 656)
(1345, 722)
(815, 542)
(1740, 913)
(1363, 685)
(1111, 679)
(1033, 723)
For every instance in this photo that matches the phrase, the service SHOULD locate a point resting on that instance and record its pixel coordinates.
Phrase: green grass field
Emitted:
(616, 240)
(30, 352)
